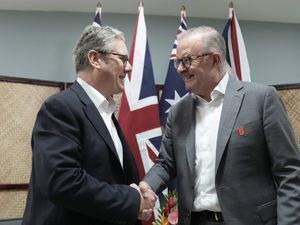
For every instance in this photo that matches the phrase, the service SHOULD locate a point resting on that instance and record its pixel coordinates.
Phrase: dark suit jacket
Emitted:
(76, 176)
(257, 173)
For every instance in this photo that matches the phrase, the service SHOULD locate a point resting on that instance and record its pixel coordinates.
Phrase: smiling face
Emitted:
(197, 76)
(114, 68)
(108, 70)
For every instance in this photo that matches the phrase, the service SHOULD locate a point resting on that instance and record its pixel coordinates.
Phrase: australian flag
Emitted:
(173, 89)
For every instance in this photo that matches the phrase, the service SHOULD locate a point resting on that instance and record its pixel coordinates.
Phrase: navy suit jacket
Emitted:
(76, 176)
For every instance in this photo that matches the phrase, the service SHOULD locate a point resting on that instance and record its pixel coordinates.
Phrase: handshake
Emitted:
(148, 199)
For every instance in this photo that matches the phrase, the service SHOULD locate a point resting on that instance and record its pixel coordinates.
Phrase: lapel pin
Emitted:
(241, 131)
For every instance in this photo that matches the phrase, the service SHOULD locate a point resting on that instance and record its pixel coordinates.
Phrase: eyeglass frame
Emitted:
(123, 58)
(187, 60)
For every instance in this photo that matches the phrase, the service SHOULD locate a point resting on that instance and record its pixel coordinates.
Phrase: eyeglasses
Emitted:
(123, 58)
(187, 60)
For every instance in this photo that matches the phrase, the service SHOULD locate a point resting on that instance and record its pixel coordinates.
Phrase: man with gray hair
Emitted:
(83, 171)
(229, 143)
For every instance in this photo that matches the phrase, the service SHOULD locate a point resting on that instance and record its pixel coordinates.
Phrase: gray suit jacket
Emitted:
(257, 174)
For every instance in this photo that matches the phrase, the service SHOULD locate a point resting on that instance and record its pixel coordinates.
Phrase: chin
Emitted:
(188, 87)
(120, 89)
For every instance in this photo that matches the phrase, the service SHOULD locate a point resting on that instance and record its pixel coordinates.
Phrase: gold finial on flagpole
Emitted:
(141, 4)
(99, 5)
(231, 5)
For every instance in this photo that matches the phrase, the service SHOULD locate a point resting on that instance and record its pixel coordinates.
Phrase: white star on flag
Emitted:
(174, 101)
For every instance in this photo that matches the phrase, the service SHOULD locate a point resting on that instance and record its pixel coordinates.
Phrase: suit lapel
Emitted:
(97, 121)
(189, 124)
(232, 102)
(129, 164)
(94, 117)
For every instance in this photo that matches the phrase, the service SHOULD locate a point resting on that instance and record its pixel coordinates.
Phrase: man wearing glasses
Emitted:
(229, 143)
(83, 171)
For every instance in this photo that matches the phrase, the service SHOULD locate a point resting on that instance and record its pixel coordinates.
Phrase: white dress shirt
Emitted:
(106, 108)
(208, 116)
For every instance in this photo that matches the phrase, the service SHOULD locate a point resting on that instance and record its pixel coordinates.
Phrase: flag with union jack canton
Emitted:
(174, 88)
(235, 47)
(139, 115)
(97, 19)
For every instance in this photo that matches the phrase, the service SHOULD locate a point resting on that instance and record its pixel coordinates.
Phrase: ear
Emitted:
(94, 59)
(216, 58)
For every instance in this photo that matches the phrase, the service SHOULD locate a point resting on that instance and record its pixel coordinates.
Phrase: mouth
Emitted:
(188, 77)
(122, 78)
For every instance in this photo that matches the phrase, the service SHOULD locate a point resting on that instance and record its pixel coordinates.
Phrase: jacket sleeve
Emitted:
(164, 168)
(285, 158)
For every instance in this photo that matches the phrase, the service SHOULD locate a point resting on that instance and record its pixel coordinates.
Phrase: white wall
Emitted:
(39, 45)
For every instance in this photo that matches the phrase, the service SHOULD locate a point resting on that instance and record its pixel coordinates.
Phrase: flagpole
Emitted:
(141, 3)
(183, 11)
(235, 46)
(98, 12)
(99, 5)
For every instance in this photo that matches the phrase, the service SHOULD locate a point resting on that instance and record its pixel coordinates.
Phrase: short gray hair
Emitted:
(211, 39)
(94, 38)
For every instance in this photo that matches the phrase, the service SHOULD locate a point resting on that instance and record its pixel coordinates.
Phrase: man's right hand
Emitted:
(148, 199)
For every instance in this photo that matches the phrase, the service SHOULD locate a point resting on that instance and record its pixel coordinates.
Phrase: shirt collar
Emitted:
(108, 105)
(218, 91)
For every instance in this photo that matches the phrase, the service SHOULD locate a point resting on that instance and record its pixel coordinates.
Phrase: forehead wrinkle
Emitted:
(190, 46)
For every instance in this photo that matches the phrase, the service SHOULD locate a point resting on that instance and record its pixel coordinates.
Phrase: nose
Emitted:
(128, 67)
(181, 68)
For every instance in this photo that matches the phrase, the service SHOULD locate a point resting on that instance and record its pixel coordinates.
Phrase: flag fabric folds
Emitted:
(139, 115)
(174, 88)
(97, 19)
(235, 47)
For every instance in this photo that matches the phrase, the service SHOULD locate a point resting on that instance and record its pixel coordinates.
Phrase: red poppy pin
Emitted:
(241, 131)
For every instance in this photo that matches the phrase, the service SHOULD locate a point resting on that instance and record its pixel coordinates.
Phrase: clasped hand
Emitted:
(148, 199)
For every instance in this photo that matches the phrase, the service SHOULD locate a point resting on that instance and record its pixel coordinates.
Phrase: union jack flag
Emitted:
(173, 89)
(235, 47)
(139, 115)
(97, 19)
